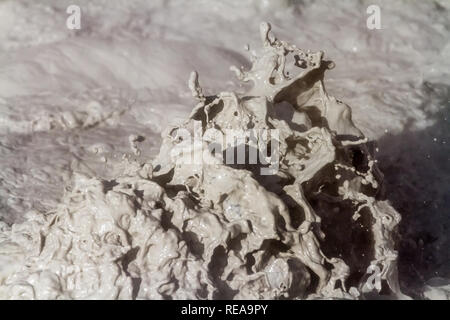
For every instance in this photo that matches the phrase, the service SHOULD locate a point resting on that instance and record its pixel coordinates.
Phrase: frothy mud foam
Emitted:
(317, 227)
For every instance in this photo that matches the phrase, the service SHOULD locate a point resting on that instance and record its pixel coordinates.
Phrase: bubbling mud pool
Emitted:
(317, 227)
(81, 117)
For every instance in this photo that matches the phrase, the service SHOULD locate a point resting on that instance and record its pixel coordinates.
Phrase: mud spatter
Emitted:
(317, 227)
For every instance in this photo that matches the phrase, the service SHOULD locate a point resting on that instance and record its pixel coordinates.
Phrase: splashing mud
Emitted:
(316, 227)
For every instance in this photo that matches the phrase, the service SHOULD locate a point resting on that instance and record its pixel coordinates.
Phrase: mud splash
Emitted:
(318, 227)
